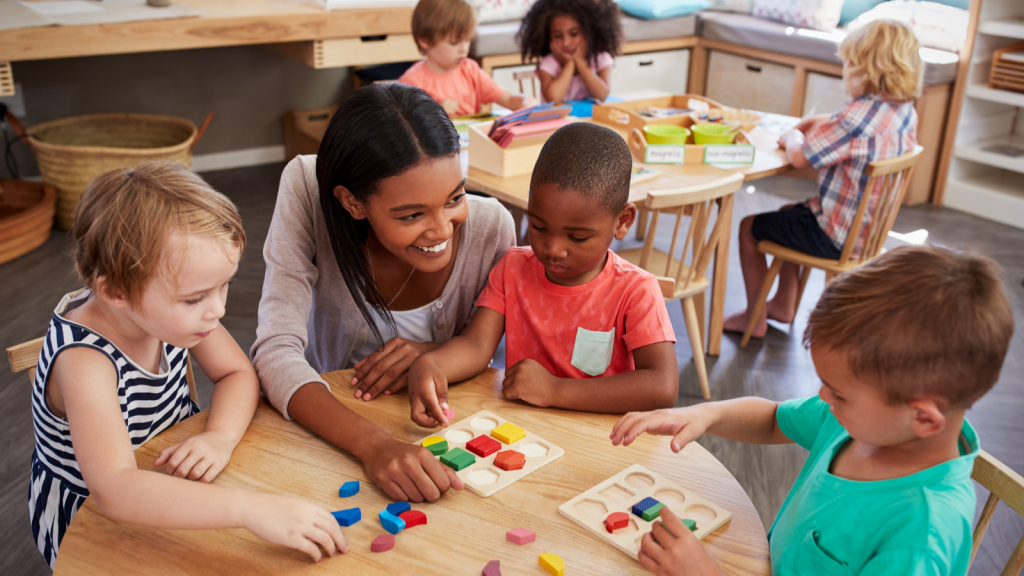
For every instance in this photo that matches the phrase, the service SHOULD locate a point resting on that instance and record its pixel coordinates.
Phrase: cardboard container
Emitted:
(304, 129)
(623, 115)
(518, 158)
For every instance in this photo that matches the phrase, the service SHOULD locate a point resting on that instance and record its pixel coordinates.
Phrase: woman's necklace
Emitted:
(370, 262)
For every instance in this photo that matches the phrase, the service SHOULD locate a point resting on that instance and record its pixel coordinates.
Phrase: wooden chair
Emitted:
(527, 75)
(24, 356)
(893, 176)
(685, 278)
(1006, 485)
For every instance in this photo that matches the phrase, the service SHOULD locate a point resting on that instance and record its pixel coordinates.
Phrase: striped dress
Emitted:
(150, 403)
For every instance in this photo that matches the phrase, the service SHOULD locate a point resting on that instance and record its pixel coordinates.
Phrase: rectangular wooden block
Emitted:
(633, 485)
(652, 513)
(483, 477)
(457, 459)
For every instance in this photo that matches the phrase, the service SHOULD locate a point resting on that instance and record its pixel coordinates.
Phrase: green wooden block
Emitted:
(690, 524)
(651, 513)
(457, 459)
(438, 448)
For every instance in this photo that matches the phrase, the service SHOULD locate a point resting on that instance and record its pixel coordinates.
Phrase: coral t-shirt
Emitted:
(468, 85)
(576, 331)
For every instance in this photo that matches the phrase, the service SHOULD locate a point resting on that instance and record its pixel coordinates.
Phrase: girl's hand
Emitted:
(670, 548)
(201, 457)
(295, 523)
(386, 370)
(563, 57)
(685, 424)
(530, 382)
(428, 393)
(579, 55)
(410, 472)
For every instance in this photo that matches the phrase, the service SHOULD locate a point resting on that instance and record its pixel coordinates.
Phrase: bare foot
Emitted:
(780, 312)
(738, 323)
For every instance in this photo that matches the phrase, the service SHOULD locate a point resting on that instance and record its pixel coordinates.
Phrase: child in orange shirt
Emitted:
(584, 329)
(443, 29)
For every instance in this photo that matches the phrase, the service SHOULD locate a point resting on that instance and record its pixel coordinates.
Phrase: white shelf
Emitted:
(982, 92)
(995, 195)
(1005, 28)
(975, 153)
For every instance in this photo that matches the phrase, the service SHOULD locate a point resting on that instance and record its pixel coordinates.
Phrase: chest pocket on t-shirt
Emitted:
(813, 559)
(592, 351)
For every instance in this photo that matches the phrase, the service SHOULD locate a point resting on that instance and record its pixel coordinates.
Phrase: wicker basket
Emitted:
(71, 152)
(26, 217)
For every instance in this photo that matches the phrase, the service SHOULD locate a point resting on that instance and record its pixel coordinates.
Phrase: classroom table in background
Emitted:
(463, 530)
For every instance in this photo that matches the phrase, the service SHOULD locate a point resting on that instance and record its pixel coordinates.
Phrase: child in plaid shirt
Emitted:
(882, 72)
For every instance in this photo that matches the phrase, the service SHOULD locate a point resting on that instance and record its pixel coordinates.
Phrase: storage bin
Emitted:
(749, 83)
(518, 158)
(26, 217)
(304, 129)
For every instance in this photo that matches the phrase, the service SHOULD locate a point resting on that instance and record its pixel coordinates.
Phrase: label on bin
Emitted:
(664, 154)
(728, 154)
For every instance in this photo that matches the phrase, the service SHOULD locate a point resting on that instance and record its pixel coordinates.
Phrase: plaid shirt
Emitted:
(867, 129)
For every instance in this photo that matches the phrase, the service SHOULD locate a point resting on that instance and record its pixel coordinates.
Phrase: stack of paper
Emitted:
(535, 124)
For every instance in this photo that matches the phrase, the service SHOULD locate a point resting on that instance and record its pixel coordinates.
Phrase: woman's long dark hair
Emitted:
(381, 131)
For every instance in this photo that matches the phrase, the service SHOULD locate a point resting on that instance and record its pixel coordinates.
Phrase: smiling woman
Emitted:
(375, 255)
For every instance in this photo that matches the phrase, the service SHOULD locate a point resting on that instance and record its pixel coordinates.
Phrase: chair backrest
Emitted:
(25, 356)
(699, 246)
(530, 75)
(1006, 485)
(891, 178)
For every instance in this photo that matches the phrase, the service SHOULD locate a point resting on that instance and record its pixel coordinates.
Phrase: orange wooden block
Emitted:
(510, 460)
(413, 518)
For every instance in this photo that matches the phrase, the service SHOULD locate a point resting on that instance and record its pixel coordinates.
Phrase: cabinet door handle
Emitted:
(646, 62)
(753, 68)
(377, 38)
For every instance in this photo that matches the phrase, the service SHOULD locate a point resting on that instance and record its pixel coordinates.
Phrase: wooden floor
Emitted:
(777, 367)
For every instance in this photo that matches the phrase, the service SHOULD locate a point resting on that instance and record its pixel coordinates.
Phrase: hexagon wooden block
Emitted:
(509, 460)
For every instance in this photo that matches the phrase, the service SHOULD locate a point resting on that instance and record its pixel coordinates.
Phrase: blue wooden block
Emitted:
(397, 508)
(349, 489)
(390, 522)
(348, 517)
(639, 507)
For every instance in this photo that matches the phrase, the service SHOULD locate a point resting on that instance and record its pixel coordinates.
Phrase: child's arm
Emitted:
(751, 420)
(235, 395)
(516, 101)
(670, 549)
(126, 494)
(653, 384)
(597, 84)
(462, 357)
(553, 89)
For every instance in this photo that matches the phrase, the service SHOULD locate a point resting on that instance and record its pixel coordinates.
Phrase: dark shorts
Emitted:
(796, 228)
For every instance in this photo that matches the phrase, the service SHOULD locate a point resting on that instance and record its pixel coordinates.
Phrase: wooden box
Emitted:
(304, 129)
(363, 51)
(740, 152)
(623, 115)
(1008, 72)
(518, 158)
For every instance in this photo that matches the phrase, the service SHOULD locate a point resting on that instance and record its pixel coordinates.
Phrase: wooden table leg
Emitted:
(718, 282)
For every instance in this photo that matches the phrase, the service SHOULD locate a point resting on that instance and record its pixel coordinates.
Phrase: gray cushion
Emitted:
(746, 30)
(500, 37)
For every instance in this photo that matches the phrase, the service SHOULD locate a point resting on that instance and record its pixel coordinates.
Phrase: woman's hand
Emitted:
(295, 523)
(201, 457)
(410, 472)
(386, 370)
(685, 424)
(428, 393)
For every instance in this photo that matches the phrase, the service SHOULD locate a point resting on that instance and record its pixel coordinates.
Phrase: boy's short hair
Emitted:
(588, 159)
(433, 20)
(918, 321)
(887, 56)
(125, 218)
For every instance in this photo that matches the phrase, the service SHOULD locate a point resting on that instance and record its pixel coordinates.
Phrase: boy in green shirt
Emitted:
(903, 345)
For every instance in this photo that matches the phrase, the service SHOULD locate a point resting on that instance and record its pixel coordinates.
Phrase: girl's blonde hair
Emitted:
(125, 218)
(886, 55)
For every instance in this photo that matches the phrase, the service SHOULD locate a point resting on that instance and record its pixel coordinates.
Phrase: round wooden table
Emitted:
(463, 532)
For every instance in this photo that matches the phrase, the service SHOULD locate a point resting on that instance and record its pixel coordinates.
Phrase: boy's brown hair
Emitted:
(886, 55)
(125, 219)
(435, 20)
(918, 321)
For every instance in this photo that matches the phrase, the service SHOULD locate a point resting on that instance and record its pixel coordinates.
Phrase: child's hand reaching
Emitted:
(530, 382)
(295, 523)
(671, 549)
(201, 457)
(685, 424)
(451, 106)
(428, 393)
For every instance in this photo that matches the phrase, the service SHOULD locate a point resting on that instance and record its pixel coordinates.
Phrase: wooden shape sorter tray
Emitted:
(483, 477)
(620, 492)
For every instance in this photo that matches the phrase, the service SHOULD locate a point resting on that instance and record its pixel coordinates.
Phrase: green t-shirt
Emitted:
(914, 525)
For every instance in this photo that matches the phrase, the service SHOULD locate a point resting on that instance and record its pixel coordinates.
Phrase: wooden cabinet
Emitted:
(749, 83)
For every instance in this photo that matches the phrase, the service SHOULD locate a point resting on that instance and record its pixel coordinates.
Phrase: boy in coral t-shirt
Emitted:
(584, 329)
(443, 29)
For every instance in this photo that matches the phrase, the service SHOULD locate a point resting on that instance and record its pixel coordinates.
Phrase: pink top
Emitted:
(577, 89)
(468, 85)
(576, 331)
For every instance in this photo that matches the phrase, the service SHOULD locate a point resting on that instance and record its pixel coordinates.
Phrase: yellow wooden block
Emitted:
(431, 441)
(508, 433)
(553, 563)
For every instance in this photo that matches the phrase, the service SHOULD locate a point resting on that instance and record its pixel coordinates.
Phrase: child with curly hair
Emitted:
(576, 41)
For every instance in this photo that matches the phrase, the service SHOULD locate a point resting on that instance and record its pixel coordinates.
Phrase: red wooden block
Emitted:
(616, 520)
(510, 460)
(413, 518)
(383, 543)
(521, 536)
(483, 446)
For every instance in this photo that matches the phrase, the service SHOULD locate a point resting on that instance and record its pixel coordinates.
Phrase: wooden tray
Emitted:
(518, 158)
(624, 115)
